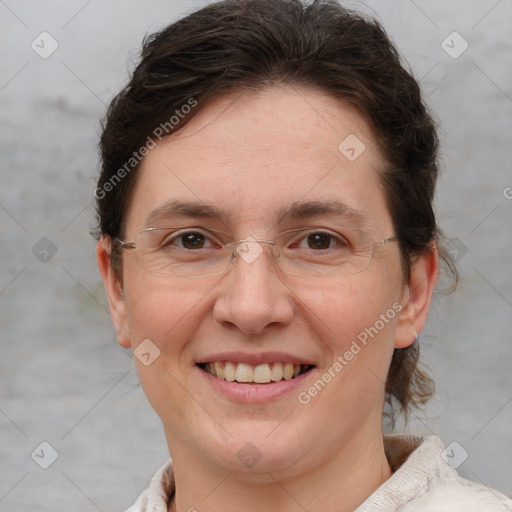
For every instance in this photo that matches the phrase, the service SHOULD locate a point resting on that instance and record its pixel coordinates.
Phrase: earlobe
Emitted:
(417, 298)
(114, 289)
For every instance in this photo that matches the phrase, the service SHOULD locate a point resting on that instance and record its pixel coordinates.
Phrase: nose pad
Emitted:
(249, 249)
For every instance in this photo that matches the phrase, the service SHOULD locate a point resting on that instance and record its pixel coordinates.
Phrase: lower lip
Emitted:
(253, 393)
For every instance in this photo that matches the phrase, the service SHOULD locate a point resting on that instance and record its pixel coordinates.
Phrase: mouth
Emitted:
(266, 373)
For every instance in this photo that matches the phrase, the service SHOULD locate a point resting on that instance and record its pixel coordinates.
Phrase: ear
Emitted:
(114, 289)
(416, 298)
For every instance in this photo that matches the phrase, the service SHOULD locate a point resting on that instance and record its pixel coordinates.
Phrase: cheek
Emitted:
(346, 309)
(355, 324)
(167, 313)
(355, 321)
(164, 311)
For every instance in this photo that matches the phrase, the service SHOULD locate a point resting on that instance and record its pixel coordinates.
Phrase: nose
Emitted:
(252, 295)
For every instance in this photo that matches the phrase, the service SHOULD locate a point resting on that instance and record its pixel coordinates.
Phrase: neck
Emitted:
(341, 483)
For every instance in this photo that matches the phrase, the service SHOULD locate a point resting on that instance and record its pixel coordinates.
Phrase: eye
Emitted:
(321, 240)
(189, 240)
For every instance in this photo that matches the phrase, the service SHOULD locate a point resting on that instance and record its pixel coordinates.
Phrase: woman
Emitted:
(269, 252)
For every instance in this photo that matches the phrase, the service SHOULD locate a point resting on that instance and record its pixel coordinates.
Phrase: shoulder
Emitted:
(452, 494)
(156, 497)
(444, 490)
(424, 481)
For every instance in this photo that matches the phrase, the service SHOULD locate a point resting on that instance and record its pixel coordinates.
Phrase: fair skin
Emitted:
(253, 154)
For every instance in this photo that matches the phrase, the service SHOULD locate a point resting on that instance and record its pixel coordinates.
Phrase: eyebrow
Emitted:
(180, 208)
(296, 210)
(308, 209)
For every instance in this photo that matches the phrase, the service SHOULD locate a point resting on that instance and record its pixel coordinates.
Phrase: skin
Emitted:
(251, 154)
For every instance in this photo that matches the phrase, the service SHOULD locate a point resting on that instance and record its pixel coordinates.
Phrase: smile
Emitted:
(260, 374)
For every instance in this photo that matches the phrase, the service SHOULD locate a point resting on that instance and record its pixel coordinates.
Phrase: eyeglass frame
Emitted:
(131, 245)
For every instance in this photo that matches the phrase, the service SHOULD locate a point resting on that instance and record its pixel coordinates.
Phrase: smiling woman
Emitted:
(272, 258)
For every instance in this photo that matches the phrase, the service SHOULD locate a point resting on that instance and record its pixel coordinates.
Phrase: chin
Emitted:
(255, 449)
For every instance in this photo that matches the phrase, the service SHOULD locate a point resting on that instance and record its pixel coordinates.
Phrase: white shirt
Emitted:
(422, 481)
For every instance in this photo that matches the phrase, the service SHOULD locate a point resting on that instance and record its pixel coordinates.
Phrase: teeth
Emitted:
(243, 373)
(261, 374)
(219, 371)
(288, 371)
(277, 372)
(229, 371)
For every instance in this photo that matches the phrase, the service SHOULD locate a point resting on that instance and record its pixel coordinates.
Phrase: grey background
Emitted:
(64, 380)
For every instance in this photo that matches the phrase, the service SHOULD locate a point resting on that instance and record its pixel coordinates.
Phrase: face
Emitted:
(252, 156)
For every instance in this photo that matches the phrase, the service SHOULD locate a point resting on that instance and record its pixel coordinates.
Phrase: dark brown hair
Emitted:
(251, 44)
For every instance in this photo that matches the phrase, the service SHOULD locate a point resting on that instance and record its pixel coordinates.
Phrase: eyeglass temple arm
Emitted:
(125, 245)
(385, 241)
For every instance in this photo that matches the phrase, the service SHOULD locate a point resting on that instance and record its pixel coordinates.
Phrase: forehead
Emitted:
(253, 153)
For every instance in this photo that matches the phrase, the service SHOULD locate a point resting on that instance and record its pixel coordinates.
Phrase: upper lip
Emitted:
(255, 359)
